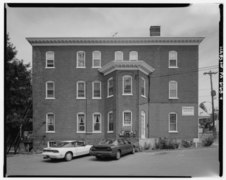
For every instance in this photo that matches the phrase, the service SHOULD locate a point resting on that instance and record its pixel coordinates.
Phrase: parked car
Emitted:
(114, 148)
(65, 149)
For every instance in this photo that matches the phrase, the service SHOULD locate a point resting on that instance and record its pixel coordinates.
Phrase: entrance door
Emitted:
(142, 125)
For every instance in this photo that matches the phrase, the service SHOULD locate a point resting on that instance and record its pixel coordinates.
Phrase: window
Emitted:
(81, 59)
(96, 59)
(188, 111)
(173, 90)
(110, 122)
(81, 88)
(50, 59)
(50, 90)
(118, 56)
(133, 56)
(143, 87)
(97, 122)
(81, 123)
(143, 125)
(110, 87)
(96, 89)
(127, 85)
(172, 59)
(127, 118)
(50, 122)
(172, 122)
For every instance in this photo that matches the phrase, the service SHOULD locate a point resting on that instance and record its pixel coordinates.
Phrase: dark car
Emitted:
(114, 148)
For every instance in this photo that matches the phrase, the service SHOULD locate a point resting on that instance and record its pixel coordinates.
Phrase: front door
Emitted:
(142, 125)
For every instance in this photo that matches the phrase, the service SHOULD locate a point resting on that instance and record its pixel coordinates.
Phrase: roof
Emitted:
(154, 40)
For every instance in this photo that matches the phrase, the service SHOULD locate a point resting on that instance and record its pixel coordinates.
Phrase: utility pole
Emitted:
(213, 93)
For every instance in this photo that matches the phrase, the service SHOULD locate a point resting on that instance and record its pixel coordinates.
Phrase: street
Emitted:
(201, 162)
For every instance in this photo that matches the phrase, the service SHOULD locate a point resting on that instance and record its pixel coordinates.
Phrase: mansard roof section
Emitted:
(126, 65)
(111, 41)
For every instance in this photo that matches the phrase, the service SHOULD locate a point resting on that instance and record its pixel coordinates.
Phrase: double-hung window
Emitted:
(110, 122)
(173, 59)
(96, 89)
(81, 123)
(133, 56)
(118, 56)
(127, 118)
(172, 122)
(81, 90)
(96, 59)
(96, 122)
(81, 62)
(50, 90)
(50, 122)
(127, 85)
(50, 59)
(110, 87)
(173, 90)
(143, 87)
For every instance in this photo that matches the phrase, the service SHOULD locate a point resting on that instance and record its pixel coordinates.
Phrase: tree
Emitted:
(17, 91)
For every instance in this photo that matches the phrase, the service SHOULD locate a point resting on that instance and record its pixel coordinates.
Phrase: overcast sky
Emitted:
(195, 21)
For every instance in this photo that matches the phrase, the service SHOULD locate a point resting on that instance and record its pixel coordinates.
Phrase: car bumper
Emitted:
(52, 155)
(103, 153)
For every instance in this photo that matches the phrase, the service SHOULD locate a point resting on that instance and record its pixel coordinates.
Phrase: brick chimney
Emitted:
(155, 31)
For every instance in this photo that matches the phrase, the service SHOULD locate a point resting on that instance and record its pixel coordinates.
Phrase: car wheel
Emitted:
(98, 157)
(133, 150)
(68, 156)
(118, 155)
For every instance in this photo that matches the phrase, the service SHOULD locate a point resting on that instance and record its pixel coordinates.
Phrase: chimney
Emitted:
(155, 31)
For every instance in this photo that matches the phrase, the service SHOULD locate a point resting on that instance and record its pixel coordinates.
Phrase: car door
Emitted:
(81, 148)
(128, 146)
(122, 146)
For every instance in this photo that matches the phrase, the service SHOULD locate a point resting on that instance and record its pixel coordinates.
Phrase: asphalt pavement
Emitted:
(201, 162)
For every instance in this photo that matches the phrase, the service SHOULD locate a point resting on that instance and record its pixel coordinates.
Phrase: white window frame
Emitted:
(47, 90)
(50, 59)
(143, 113)
(81, 113)
(123, 120)
(47, 123)
(171, 97)
(93, 89)
(169, 130)
(123, 83)
(77, 89)
(143, 81)
(184, 113)
(94, 58)
(133, 53)
(173, 53)
(108, 131)
(97, 113)
(77, 63)
(117, 54)
(108, 96)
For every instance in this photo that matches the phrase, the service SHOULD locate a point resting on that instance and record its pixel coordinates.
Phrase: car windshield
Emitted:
(108, 142)
(62, 144)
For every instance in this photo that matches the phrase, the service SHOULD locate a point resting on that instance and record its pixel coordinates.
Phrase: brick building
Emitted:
(95, 88)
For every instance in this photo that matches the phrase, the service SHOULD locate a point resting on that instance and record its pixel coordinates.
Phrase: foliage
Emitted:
(165, 143)
(147, 146)
(208, 141)
(186, 143)
(17, 91)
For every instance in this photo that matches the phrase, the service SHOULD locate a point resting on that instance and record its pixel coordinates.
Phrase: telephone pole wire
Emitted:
(213, 93)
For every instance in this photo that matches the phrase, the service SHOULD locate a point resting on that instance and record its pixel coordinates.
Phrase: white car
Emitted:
(65, 149)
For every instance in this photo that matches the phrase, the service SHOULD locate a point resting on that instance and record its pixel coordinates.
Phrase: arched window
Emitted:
(81, 122)
(81, 62)
(127, 85)
(81, 90)
(133, 56)
(173, 59)
(96, 90)
(127, 118)
(97, 122)
(118, 56)
(173, 90)
(50, 90)
(96, 59)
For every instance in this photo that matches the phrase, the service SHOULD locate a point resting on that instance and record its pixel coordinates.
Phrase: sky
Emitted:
(197, 20)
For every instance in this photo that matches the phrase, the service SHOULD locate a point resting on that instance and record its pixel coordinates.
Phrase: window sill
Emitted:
(50, 132)
(96, 98)
(80, 98)
(143, 96)
(110, 132)
(173, 67)
(96, 67)
(127, 125)
(174, 98)
(96, 132)
(50, 98)
(80, 67)
(173, 132)
(50, 67)
(81, 132)
(127, 94)
(110, 96)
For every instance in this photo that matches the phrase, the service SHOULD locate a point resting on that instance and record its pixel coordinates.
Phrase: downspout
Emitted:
(149, 82)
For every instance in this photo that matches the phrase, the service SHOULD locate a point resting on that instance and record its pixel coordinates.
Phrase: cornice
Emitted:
(111, 41)
(126, 65)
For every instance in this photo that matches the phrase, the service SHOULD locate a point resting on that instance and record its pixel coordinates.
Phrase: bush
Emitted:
(208, 141)
(186, 143)
(164, 143)
(147, 146)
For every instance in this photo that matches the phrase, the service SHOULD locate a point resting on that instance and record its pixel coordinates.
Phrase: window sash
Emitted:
(50, 90)
(97, 123)
(173, 89)
(172, 122)
(97, 90)
(81, 89)
(143, 93)
(127, 118)
(118, 56)
(81, 123)
(110, 122)
(133, 56)
(110, 87)
(50, 123)
(81, 59)
(127, 89)
(96, 59)
(173, 63)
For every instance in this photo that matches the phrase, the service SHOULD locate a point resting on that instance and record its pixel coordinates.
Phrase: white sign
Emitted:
(188, 111)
